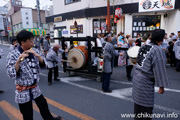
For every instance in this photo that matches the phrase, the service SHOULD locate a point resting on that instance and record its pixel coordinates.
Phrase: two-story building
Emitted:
(139, 16)
(25, 18)
(3, 23)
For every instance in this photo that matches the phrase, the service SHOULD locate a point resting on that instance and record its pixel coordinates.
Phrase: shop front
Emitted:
(155, 14)
(141, 17)
(145, 24)
(100, 26)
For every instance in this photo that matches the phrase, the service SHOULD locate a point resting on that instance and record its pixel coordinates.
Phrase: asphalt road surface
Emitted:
(80, 97)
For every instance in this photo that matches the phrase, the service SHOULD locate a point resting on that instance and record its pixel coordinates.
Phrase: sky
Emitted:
(31, 3)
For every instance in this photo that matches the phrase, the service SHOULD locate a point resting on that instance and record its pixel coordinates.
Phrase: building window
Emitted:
(35, 25)
(45, 26)
(71, 1)
(100, 27)
(20, 3)
(144, 25)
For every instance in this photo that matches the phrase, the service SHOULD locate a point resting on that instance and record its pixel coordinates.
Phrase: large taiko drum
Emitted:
(78, 57)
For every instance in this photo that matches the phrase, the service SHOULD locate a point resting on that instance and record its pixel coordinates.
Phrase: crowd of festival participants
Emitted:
(28, 55)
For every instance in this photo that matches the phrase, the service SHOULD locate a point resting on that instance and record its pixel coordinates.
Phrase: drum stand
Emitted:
(88, 69)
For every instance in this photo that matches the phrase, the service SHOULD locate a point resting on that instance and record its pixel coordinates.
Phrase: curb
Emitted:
(5, 44)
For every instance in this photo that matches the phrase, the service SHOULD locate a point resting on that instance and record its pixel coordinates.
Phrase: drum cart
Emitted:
(88, 69)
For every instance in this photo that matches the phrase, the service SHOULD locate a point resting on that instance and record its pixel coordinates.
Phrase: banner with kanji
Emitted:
(156, 5)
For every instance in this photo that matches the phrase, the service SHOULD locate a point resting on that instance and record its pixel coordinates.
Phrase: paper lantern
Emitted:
(118, 13)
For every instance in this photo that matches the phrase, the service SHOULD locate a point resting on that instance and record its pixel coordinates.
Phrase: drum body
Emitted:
(78, 57)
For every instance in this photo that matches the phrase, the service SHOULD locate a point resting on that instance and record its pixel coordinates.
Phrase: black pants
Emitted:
(177, 65)
(172, 60)
(106, 81)
(27, 110)
(56, 74)
(116, 61)
(141, 112)
(128, 70)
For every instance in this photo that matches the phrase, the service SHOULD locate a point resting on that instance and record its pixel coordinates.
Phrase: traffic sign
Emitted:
(9, 28)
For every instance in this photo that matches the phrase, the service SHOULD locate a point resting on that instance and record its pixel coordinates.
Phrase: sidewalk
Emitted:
(5, 43)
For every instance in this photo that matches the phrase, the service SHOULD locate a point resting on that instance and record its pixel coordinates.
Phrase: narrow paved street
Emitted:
(81, 98)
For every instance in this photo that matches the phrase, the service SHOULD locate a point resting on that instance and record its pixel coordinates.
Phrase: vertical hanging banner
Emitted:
(156, 5)
(5, 26)
(27, 19)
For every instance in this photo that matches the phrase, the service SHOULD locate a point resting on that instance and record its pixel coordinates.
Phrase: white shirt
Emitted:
(148, 41)
(99, 44)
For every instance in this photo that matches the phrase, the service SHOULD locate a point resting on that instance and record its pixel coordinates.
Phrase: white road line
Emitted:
(127, 83)
(125, 92)
(167, 89)
(115, 93)
(172, 90)
(60, 71)
(75, 79)
(119, 94)
(156, 88)
(71, 79)
(170, 110)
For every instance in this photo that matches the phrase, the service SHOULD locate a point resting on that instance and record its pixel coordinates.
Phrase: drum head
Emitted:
(133, 51)
(77, 57)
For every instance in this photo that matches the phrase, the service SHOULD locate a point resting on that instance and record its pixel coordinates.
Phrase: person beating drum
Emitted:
(52, 62)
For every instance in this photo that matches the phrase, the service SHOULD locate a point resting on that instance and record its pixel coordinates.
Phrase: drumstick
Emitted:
(23, 57)
(67, 61)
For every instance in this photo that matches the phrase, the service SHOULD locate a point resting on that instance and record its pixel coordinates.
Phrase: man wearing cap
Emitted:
(46, 44)
(176, 50)
(109, 54)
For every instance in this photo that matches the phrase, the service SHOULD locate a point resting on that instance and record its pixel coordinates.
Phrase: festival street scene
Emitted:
(90, 60)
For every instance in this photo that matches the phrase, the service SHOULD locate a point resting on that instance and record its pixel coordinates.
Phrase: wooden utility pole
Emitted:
(108, 17)
(39, 18)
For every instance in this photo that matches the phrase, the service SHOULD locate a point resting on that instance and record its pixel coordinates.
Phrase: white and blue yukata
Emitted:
(27, 75)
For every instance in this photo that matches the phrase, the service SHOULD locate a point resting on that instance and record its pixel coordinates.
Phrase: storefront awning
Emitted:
(35, 31)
